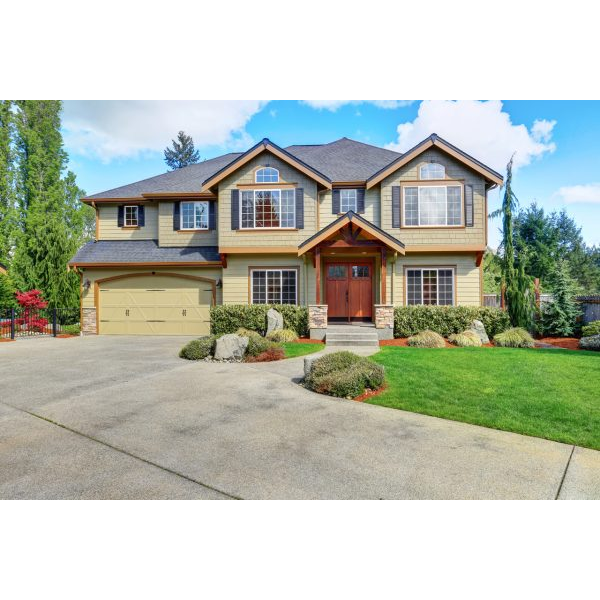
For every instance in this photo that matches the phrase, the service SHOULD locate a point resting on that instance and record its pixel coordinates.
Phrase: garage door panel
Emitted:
(155, 305)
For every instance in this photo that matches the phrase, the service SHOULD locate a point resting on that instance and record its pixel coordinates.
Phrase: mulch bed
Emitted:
(569, 343)
(369, 394)
(404, 343)
(7, 340)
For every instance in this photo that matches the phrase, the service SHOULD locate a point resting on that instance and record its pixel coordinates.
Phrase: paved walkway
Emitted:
(120, 417)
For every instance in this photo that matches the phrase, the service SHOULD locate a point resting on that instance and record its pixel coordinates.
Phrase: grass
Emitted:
(552, 394)
(293, 349)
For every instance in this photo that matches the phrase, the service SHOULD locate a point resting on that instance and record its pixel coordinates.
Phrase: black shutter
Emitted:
(141, 216)
(395, 206)
(235, 209)
(360, 201)
(335, 202)
(469, 206)
(120, 216)
(176, 217)
(212, 217)
(300, 208)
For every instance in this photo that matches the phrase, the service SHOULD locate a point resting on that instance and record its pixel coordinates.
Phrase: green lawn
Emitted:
(553, 394)
(293, 349)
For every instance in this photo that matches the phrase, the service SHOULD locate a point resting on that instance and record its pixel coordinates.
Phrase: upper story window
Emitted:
(267, 175)
(131, 216)
(429, 205)
(348, 201)
(268, 208)
(194, 215)
(432, 171)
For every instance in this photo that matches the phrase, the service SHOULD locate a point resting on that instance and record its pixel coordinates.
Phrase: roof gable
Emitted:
(435, 141)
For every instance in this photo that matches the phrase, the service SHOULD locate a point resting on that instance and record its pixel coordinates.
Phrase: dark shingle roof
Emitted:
(133, 251)
(344, 159)
(186, 179)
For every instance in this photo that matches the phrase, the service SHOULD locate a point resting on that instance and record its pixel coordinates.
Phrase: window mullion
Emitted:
(446, 203)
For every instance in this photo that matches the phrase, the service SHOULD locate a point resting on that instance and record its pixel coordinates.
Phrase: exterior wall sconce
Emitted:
(219, 283)
(86, 285)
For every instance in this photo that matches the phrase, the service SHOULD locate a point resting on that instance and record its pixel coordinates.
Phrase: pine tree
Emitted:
(559, 317)
(182, 153)
(518, 286)
(7, 182)
(52, 223)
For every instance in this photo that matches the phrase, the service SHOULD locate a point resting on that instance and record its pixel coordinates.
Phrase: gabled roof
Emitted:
(438, 142)
(350, 217)
(115, 252)
(345, 159)
(268, 145)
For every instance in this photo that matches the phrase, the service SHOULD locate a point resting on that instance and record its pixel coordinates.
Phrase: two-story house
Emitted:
(346, 228)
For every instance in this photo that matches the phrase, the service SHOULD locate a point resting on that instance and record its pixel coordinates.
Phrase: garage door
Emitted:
(155, 305)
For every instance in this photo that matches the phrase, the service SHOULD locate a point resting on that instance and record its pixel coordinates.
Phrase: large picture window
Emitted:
(430, 286)
(194, 215)
(432, 205)
(274, 286)
(268, 208)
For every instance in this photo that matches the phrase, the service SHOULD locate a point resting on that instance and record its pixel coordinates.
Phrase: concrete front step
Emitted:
(352, 342)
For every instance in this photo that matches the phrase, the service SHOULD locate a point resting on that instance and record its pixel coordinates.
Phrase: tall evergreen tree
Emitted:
(7, 182)
(518, 286)
(559, 316)
(52, 224)
(182, 152)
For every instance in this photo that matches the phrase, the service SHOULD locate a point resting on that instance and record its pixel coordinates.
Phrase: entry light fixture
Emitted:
(219, 283)
(87, 284)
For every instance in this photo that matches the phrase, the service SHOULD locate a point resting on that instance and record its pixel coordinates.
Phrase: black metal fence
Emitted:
(21, 322)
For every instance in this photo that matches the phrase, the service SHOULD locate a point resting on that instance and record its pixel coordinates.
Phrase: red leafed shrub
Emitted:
(267, 356)
(31, 299)
(31, 302)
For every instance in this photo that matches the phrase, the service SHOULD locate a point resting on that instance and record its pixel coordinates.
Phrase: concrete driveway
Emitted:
(124, 417)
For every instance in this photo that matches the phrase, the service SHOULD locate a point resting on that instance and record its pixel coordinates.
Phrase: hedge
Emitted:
(445, 320)
(228, 318)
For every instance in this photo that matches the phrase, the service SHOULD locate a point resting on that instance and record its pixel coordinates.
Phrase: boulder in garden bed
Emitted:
(274, 320)
(479, 328)
(231, 347)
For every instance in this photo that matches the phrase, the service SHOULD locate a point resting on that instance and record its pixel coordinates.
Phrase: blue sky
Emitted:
(557, 143)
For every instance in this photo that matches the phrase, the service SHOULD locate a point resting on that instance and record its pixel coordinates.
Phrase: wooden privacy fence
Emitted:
(590, 307)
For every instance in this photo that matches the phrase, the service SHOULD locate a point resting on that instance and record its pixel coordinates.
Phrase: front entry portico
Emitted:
(349, 289)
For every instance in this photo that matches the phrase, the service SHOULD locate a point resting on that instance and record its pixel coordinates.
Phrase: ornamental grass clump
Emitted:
(199, 349)
(466, 339)
(516, 337)
(592, 328)
(344, 375)
(282, 335)
(427, 339)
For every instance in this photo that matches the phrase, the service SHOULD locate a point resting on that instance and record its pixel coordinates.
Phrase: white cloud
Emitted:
(482, 129)
(126, 128)
(333, 105)
(588, 193)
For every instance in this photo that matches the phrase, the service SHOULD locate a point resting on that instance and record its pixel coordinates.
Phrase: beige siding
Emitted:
(169, 237)
(109, 229)
(245, 175)
(455, 170)
(372, 208)
(94, 274)
(467, 279)
(236, 280)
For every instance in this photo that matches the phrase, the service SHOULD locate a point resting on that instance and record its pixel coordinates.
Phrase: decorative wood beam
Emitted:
(383, 275)
(223, 259)
(318, 273)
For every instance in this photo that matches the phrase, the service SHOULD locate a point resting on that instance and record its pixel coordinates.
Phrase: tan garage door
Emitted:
(155, 305)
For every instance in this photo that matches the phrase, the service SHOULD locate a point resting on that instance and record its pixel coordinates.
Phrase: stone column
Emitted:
(384, 321)
(317, 321)
(88, 325)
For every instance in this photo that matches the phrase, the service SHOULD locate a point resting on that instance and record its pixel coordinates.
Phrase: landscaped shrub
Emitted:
(445, 320)
(559, 317)
(71, 329)
(272, 353)
(516, 337)
(247, 332)
(345, 375)
(591, 342)
(282, 335)
(199, 349)
(230, 317)
(465, 339)
(427, 339)
(592, 328)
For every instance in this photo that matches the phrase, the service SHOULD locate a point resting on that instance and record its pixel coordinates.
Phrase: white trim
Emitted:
(419, 188)
(253, 192)
(137, 215)
(194, 202)
(262, 169)
(280, 271)
(355, 209)
(408, 268)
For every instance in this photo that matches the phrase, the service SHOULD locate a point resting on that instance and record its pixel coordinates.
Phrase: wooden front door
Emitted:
(349, 290)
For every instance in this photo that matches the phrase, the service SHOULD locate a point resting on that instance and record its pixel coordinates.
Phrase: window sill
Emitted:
(261, 229)
(131, 227)
(195, 230)
(434, 227)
